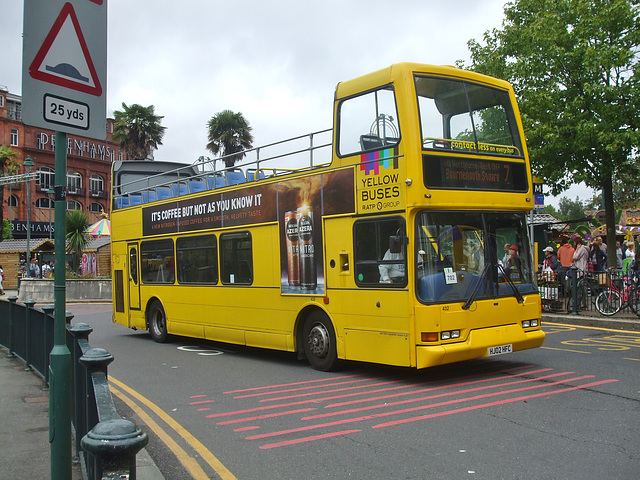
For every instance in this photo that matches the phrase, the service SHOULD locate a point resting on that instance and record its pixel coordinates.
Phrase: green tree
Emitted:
(8, 165)
(229, 133)
(6, 230)
(138, 130)
(626, 189)
(570, 209)
(76, 222)
(574, 67)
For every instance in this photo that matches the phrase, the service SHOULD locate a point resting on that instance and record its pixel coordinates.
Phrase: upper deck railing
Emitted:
(138, 182)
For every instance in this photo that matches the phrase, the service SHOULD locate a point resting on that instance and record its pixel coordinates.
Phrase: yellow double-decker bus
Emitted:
(398, 237)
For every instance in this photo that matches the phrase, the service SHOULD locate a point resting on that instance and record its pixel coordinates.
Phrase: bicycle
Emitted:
(612, 299)
(583, 285)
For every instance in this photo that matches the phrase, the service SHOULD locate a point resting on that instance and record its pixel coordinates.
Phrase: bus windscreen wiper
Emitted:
(476, 287)
(516, 292)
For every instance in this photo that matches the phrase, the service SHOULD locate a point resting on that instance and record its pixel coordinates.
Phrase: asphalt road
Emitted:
(568, 410)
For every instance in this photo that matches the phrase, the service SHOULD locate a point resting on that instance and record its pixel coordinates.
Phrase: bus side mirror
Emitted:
(396, 242)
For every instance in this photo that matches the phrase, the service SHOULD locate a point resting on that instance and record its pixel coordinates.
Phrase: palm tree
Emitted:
(76, 223)
(138, 131)
(8, 164)
(229, 133)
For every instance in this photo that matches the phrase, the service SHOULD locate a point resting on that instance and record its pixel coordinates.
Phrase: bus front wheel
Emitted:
(320, 342)
(157, 321)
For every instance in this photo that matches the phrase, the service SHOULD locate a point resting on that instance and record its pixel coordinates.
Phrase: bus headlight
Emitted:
(446, 335)
(450, 334)
(530, 323)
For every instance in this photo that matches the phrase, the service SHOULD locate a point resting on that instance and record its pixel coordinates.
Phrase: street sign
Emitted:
(64, 66)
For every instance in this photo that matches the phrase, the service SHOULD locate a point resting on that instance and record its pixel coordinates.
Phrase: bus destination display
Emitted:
(474, 174)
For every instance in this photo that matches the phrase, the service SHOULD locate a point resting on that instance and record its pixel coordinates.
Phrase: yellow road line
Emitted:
(634, 359)
(190, 464)
(566, 350)
(204, 453)
(590, 328)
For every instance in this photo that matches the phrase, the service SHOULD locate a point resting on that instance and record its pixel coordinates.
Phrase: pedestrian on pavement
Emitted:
(1, 280)
(550, 264)
(619, 254)
(580, 256)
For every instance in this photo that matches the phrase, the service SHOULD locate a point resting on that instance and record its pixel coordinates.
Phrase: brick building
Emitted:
(88, 171)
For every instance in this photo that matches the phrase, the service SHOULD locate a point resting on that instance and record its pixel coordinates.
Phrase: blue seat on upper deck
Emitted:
(149, 197)
(197, 186)
(235, 177)
(253, 174)
(179, 190)
(216, 182)
(164, 193)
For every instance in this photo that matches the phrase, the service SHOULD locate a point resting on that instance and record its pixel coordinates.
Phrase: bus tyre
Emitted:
(319, 341)
(157, 322)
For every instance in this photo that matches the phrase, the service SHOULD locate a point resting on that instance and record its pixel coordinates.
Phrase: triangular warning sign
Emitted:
(64, 59)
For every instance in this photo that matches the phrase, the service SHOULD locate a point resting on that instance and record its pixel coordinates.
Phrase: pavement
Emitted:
(24, 408)
(24, 425)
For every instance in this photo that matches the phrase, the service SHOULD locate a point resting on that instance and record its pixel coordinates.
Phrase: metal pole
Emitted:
(60, 358)
(28, 164)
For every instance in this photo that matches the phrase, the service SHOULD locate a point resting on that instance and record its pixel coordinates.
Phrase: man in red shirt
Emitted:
(565, 257)
(565, 253)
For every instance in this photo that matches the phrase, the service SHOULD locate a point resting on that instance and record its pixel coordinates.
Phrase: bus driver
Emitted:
(392, 272)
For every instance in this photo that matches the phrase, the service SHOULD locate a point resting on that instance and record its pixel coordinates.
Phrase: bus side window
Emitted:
(375, 263)
(236, 258)
(368, 122)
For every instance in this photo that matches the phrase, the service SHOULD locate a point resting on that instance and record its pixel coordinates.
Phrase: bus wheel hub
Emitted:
(319, 341)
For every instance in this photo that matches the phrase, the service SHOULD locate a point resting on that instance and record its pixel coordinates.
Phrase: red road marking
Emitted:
(307, 439)
(244, 429)
(431, 397)
(303, 388)
(289, 384)
(491, 404)
(271, 415)
(430, 389)
(396, 412)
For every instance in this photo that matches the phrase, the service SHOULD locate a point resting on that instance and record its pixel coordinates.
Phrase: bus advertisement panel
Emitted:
(297, 204)
(302, 203)
(379, 182)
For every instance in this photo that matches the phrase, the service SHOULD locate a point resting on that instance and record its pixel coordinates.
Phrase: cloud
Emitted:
(277, 62)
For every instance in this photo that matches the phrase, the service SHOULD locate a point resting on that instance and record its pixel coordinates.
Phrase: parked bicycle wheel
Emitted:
(582, 297)
(634, 299)
(608, 302)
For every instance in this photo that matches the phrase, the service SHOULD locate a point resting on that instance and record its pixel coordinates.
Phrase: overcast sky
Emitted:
(277, 61)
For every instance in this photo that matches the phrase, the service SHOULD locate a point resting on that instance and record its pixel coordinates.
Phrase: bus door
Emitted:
(368, 287)
(134, 279)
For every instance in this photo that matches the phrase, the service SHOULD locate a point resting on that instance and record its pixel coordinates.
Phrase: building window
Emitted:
(74, 205)
(14, 110)
(1, 101)
(14, 137)
(13, 201)
(46, 178)
(236, 258)
(74, 181)
(96, 184)
(95, 207)
(45, 203)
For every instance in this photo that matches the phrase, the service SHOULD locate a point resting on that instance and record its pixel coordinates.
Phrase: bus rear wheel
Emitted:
(157, 322)
(319, 341)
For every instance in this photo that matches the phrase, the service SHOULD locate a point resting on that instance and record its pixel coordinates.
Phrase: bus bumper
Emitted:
(478, 344)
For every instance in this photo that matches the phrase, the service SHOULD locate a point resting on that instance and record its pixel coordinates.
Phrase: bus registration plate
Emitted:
(500, 350)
